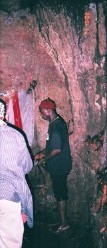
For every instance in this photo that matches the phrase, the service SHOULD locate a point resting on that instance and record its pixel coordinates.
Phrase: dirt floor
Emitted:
(43, 236)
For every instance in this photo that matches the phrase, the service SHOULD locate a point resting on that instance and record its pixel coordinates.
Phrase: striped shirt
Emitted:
(15, 162)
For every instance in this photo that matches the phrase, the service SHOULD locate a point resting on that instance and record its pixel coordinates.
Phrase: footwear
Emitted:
(52, 227)
(62, 228)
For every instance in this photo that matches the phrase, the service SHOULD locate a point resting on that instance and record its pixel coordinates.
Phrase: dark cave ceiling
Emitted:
(14, 5)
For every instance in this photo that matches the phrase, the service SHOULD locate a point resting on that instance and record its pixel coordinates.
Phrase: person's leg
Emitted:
(11, 225)
(60, 190)
(62, 207)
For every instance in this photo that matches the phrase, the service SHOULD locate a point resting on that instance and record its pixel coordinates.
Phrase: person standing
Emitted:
(16, 206)
(57, 157)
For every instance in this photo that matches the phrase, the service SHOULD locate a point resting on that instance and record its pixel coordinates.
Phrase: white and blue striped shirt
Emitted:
(15, 162)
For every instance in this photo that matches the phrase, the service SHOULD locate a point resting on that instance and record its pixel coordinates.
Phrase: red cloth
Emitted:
(47, 104)
(16, 109)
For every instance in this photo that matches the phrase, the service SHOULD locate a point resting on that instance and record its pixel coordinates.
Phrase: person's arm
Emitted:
(53, 153)
(39, 155)
(26, 160)
(56, 143)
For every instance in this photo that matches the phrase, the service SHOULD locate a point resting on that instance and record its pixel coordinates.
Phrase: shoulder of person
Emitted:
(17, 131)
(61, 122)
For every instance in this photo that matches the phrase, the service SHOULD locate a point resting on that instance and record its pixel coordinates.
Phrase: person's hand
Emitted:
(39, 156)
(41, 161)
(24, 217)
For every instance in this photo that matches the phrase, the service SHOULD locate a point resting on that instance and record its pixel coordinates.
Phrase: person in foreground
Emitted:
(57, 157)
(16, 205)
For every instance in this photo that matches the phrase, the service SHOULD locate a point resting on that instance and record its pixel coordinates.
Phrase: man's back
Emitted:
(15, 162)
(10, 147)
(16, 205)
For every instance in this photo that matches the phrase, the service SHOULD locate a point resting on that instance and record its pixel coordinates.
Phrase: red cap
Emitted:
(47, 104)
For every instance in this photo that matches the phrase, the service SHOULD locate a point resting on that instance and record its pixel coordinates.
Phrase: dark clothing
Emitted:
(59, 184)
(58, 138)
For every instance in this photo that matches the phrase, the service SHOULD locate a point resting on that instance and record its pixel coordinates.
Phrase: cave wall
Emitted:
(69, 64)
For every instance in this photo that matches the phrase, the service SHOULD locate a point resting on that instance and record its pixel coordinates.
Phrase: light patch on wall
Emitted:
(92, 6)
(100, 102)
(87, 20)
(104, 103)
(97, 103)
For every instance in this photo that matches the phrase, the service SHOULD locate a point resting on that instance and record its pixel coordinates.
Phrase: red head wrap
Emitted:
(47, 104)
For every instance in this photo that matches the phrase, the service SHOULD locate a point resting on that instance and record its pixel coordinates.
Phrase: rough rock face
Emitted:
(70, 66)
